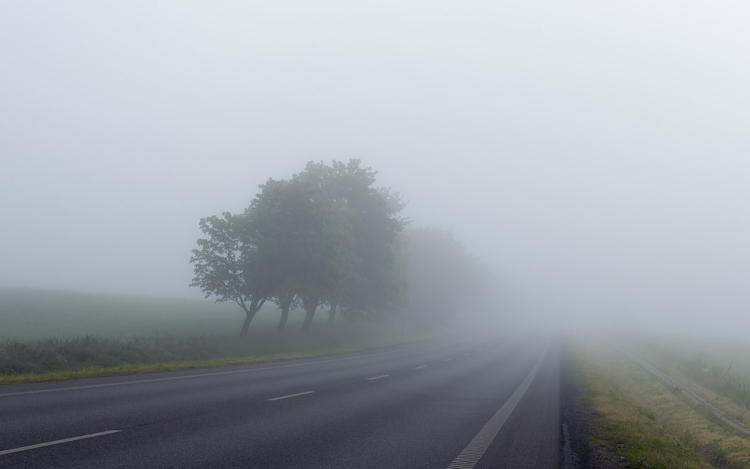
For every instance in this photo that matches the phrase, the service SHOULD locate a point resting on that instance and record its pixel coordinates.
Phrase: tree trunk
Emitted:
(285, 301)
(331, 314)
(284, 317)
(246, 324)
(310, 307)
(250, 312)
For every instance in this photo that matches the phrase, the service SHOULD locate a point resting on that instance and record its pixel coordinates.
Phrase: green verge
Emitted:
(54, 335)
(648, 424)
(129, 369)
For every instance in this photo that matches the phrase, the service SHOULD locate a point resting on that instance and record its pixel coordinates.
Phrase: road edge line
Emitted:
(57, 442)
(469, 457)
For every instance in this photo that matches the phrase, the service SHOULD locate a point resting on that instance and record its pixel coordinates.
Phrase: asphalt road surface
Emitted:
(454, 403)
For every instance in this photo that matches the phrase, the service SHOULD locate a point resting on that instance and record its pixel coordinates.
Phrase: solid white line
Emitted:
(291, 395)
(377, 377)
(199, 375)
(420, 367)
(477, 447)
(57, 442)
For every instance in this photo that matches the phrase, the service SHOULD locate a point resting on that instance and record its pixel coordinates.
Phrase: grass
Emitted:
(28, 315)
(723, 384)
(62, 335)
(127, 369)
(714, 352)
(649, 424)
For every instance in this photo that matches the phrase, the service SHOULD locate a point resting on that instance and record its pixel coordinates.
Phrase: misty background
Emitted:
(596, 155)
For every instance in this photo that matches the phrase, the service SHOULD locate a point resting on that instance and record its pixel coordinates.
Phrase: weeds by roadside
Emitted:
(720, 380)
(47, 335)
(721, 365)
(719, 385)
(650, 425)
(87, 356)
(97, 371)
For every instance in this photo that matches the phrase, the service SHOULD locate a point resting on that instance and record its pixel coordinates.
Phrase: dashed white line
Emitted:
(291, 395)
(377, 377)
(467, 354)
(447, 359)
(57, 442)
(420, 367)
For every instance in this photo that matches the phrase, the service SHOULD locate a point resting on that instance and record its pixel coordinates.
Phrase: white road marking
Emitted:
(199, 375)
(447, 359)
(420, 367)
(291, 395)
(377, 377)
(57, 442)
(469, 457)
(466, 354)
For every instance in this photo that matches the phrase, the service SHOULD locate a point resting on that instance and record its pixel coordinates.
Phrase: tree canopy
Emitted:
(328, 236)
(443, 276)
(325, 236)
(230, 266)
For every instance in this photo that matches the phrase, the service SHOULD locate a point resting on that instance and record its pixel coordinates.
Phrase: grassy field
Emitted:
(33, 314)
(649, 424)
(29, 315)
(710, 352)
(695, 363)
(58, 335)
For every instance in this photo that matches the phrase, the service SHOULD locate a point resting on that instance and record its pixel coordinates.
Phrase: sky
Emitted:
(595, 154)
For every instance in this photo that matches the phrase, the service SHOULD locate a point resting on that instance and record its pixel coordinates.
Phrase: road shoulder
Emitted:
(582, 421)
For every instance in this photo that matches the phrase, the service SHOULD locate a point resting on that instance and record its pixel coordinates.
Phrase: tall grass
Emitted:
(715, 352)
(720, 365)
(649, 424)
(55, 354)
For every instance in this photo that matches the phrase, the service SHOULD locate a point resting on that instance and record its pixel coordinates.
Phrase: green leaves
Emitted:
(329, 235)
(218, 259)
(366, 217)
(325, 235)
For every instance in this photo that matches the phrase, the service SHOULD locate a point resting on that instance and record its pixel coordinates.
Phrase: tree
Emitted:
(378, 284)
(442, 274)
(307, 238)
(374, 283)
(325, 236)
(229, 265)
(326, 260)
(295, 231)
(272, 212)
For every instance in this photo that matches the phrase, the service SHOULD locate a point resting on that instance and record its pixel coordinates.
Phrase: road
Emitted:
(442, 403)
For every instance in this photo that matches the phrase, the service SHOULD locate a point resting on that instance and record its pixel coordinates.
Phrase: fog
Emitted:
(595, 154)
